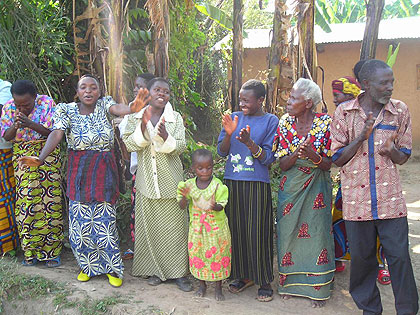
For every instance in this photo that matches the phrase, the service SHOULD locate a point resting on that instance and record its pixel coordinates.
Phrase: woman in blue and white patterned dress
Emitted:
(91, 177)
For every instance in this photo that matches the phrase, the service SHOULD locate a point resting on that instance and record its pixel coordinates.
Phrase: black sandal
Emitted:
(265, 295)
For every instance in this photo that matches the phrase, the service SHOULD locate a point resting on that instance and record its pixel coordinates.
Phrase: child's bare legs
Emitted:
(202, 289)
(218, 293)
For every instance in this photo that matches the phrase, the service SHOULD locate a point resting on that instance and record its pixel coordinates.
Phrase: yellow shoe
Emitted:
(114, 281)
(83, 277)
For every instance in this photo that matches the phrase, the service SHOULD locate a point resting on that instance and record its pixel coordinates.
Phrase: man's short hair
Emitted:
(370, 67)
(146, 76)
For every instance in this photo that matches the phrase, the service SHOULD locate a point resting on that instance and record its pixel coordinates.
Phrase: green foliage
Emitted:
(217, 15)
(392, 55)
(135, 41)
(186, 38)
(254, 17)
(33, 44)
(352, 11)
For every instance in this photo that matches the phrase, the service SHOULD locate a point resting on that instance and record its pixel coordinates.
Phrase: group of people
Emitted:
(228, 231)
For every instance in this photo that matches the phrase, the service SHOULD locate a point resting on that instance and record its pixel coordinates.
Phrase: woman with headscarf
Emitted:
(27, 121)
(305, 245)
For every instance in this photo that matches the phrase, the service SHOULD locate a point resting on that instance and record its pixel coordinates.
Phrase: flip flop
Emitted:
(128, 254)
(239, 285)
(339, 266)
(29, 262)
(384, 277)
(53, 263)
(265, 295)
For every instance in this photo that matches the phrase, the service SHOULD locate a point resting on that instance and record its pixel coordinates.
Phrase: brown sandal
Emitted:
(239, 285)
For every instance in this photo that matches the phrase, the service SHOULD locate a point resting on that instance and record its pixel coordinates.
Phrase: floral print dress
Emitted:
(209, 242)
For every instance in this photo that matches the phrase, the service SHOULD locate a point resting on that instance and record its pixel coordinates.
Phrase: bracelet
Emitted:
(320, 160)
(258, 154)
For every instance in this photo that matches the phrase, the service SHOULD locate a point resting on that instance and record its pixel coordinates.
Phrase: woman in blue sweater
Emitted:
(246, 139)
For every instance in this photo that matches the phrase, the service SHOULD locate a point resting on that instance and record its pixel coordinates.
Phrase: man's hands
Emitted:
(368, 127)
(389, 146)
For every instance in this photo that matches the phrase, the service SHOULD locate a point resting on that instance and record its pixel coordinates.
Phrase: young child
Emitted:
(209, 236)
(246, 140)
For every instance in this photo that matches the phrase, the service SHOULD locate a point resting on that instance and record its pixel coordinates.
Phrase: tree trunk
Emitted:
(115, 55)
(374, 10)
(160, 19)
(238, 10)
(161, 46)
(307, 49)
(280, 79)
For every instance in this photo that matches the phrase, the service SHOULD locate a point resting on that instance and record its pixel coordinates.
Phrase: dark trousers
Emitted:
(393, 234)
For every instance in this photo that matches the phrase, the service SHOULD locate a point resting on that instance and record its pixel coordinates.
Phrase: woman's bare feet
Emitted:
(201, 292)
(317, 304)
(285, 296)
(218, 293)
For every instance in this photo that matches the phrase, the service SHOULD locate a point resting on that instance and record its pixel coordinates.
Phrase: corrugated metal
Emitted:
(340, 33)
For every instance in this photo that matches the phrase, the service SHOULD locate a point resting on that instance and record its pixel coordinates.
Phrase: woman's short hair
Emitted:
(256, 86)
(88, 75)
(22, 87)
(310, 90)
(153, 81)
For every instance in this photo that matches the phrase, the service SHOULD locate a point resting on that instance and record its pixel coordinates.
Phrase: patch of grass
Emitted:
(151, 310)
(60, 301)
(94, 307)
(15, 286)
(19, 286)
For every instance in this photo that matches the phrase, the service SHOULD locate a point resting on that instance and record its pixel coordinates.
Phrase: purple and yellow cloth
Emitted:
(346, 85)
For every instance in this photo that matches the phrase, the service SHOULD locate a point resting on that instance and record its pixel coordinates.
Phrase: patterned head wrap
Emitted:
(346, 85)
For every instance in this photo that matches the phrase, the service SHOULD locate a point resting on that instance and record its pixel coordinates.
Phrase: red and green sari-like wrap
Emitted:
(38, 202)
(305, 240)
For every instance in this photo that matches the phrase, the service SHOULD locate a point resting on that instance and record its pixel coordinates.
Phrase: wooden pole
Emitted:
(280, 79)
(374, 10)
(238, 10)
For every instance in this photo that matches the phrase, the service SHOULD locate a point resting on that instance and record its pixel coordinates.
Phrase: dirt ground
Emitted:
(167, 299)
